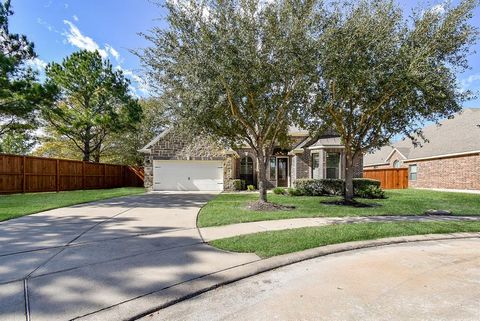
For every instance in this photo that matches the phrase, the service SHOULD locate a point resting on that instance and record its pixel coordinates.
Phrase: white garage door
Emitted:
(187, 175)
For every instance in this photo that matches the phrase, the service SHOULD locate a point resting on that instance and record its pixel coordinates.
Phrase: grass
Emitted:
(16, 205)
(230, 208)
(267, 244)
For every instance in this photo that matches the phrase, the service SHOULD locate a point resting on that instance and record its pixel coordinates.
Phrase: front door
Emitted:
(282, 172)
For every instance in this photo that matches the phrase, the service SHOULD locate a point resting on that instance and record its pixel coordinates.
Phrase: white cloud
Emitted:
(114, 53)
(75, 17)
(467, 83)
(77, 39)
(37, 64)
(438, 9)
(138, 83)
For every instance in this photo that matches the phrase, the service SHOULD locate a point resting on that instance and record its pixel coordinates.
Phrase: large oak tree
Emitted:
(235, 70)
(383, 74)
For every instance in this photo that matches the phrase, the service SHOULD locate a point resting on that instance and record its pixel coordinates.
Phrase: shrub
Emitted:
(317, 187)
(370, 191)
(294, 192)
(361, 183)
(251, 187)
(279, 190)
(238, 184)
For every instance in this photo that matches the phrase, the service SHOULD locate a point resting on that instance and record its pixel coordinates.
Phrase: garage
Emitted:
(188, 175)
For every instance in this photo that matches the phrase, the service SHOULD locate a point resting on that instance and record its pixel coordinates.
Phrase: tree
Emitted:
(235, 70)
(94, 102)
(122, 148)
(21, 96)
(382, 75)
(15, 142)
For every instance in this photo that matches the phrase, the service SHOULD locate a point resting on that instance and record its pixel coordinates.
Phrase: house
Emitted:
(173, 162)
(449, 160)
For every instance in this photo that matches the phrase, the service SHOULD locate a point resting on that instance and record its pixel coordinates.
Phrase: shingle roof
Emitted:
(457, 135)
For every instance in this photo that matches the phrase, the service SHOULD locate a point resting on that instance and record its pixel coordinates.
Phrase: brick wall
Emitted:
(450, 173)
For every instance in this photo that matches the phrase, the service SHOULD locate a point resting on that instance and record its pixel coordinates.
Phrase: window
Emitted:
(397, 164)
(316, 165)
(246, 166)
(273, 168)
(412, 170)
(333, 165)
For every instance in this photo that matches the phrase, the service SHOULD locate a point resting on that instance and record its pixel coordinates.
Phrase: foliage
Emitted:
(235, 70)
(359, 183)
(14, 142)
(279, 191)
(20, 94)
(122, 147)
(94, 103)
(250, 188)
(294, 192)
(317, 187)
(370, 191)
(238, 184)
(267, 244)
(382, 74)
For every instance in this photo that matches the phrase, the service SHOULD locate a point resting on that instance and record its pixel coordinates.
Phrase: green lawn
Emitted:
(230, 208)
(17, 205)
(269, 244)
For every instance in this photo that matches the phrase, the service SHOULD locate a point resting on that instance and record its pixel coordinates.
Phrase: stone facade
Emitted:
(172, 146)
(450, 173)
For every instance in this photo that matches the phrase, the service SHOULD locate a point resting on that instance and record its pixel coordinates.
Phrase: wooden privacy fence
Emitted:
(27, 174)
(390, 178)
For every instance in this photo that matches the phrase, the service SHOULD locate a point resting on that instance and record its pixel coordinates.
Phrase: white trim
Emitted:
(326, 146)
(375, 164)
(146, 148)
(391, 153)
(441, 156)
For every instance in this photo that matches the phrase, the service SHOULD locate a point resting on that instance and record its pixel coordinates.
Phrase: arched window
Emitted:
(246, 166)
(397, 164)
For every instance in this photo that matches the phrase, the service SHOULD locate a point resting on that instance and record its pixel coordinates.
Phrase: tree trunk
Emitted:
(262, 175)
(349, 173)
(86, 146)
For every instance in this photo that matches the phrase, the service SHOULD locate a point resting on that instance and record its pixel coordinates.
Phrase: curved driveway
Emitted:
(80, 261)
(434, 280)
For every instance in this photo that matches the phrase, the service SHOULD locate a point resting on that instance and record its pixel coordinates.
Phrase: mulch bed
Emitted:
(351, 204)
(268, 207)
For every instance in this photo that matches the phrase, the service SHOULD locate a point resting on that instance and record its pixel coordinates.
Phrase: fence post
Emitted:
(104, 175)
(24, 182)
(57, 179)
(83, 175)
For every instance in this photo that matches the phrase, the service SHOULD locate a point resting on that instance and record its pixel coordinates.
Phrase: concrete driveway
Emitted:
(434, 280)
(80, 261)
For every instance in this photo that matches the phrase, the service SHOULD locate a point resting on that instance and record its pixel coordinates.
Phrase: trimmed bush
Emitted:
(361, 183)
(238, 184)
(251, 188)
(294, 192)
(370, 191)
(279, 190)
(318, 187)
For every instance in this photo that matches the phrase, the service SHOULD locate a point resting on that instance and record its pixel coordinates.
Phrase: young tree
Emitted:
(94, 103)
(383, 75)
(20, 93)
(235, 70)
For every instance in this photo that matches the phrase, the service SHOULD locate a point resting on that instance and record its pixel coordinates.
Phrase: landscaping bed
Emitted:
(16, 205)
(267, 244)
(232, 208)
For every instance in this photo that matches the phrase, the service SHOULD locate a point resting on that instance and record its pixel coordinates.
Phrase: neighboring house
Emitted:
(175, 163)
(450, 159)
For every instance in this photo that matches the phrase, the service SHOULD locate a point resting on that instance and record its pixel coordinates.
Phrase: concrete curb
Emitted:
(143, 306)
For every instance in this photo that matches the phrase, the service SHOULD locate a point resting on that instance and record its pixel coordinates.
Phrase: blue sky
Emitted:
(61, 27)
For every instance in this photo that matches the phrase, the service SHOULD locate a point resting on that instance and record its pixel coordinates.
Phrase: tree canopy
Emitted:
(235, 70)
(382, 74)
(21, 95)
(94, 103)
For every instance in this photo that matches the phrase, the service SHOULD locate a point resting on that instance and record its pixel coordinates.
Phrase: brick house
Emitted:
(449, 160)
(173, 162)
